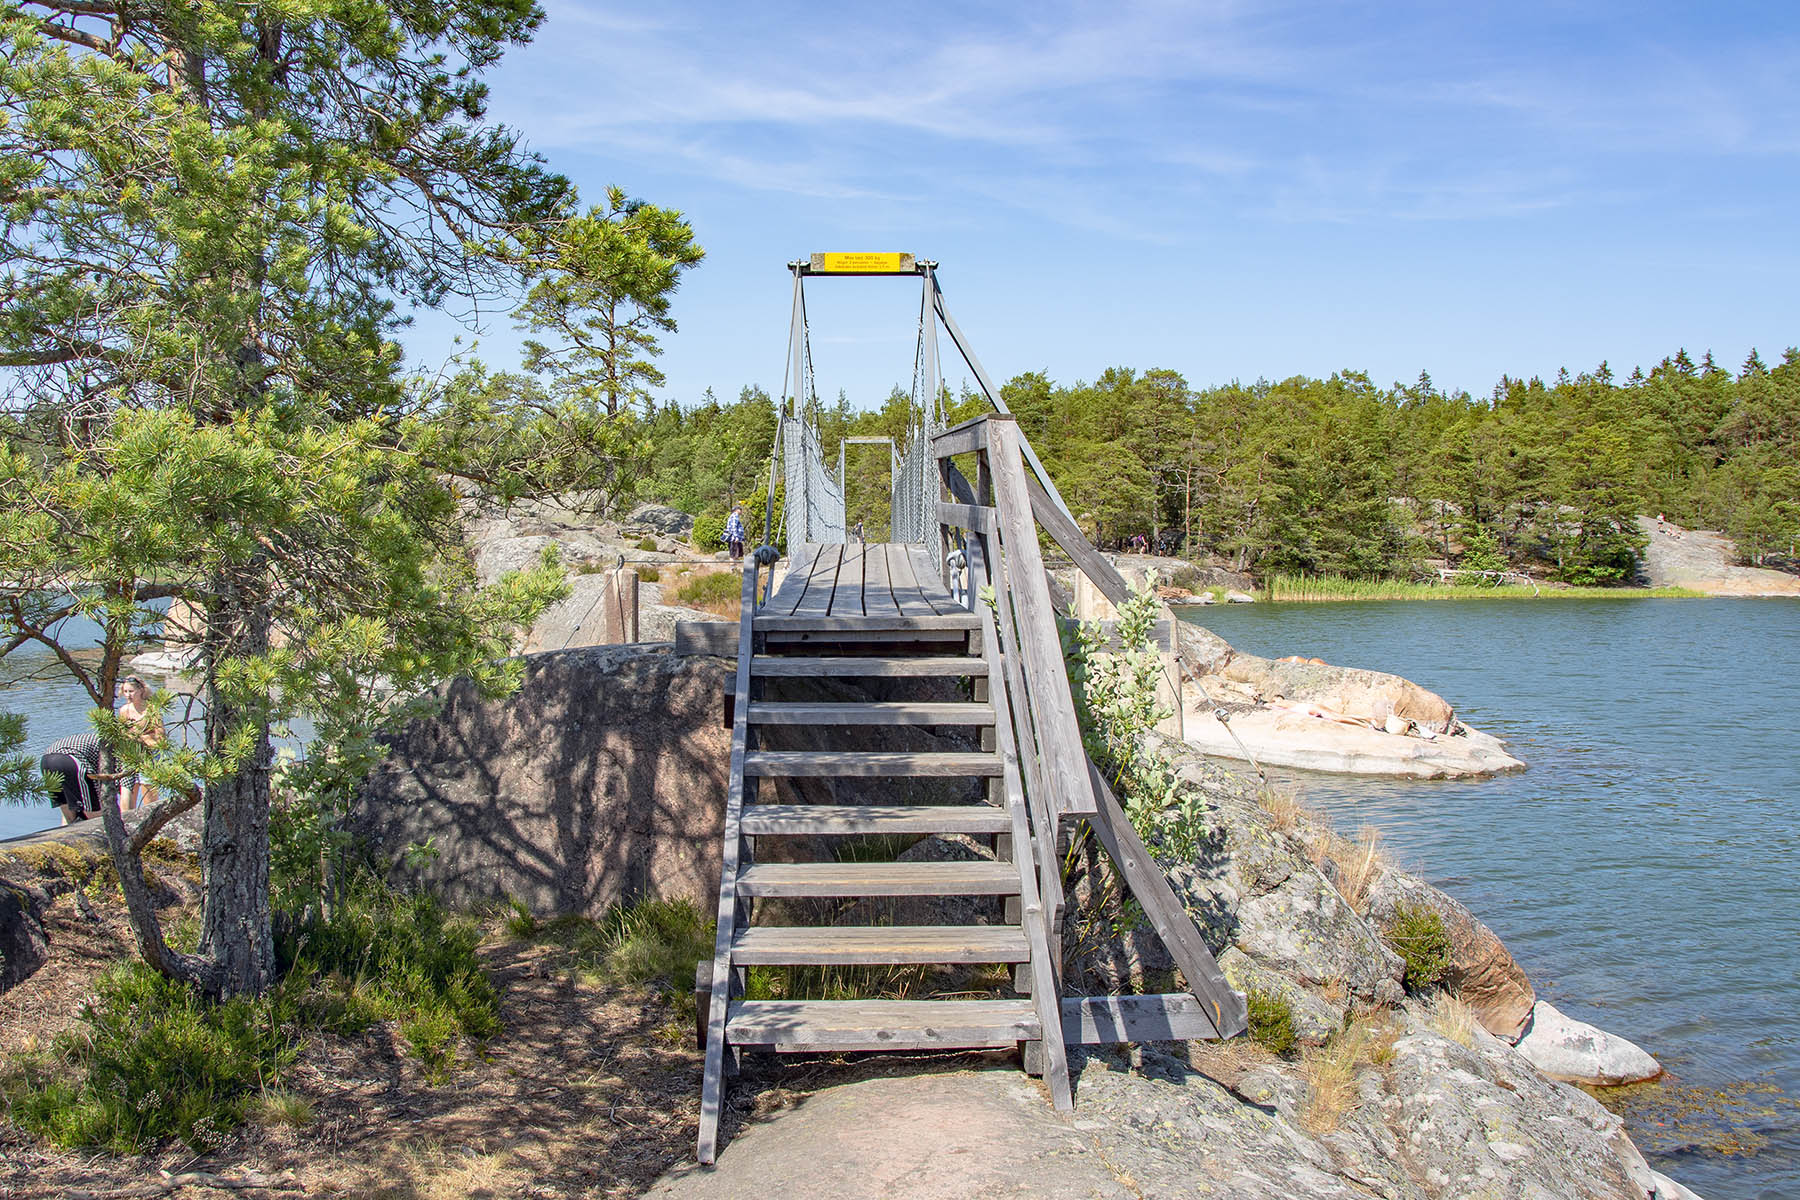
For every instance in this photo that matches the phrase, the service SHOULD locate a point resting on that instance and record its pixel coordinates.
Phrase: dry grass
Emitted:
(1330, 1070)
(281, 1107)
(719, 592)
(1449, 1016)
(1228, 1062)
(1353, 866)
(1282, 803)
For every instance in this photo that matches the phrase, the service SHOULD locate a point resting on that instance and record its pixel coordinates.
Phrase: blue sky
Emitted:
(1231, 190)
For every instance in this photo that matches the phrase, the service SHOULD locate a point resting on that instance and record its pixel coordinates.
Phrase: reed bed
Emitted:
(1318, 589)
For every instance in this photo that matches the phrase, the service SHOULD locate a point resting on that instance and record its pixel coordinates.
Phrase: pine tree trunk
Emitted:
(235, 933)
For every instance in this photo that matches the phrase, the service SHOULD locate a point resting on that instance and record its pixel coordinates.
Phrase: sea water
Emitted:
(1645, 868)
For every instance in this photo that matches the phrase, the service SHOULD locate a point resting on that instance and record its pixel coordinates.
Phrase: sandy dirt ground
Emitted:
(588, 1092)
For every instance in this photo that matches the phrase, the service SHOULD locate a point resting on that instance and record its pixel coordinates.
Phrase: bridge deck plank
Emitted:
(878, 596)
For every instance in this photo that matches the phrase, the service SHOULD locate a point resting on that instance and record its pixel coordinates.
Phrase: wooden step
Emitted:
(880, 879)
(851, 666)
(794, 945)
(799, 1026)
(804, 623)
(867, 764)
(887, 712)
(779, 820)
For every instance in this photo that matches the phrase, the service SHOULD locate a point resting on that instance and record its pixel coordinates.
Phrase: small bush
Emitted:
(649, 574)
(1417, 935)
(384, 955)
(651, 943)
(151, 1060)
(1271, 1021)
(708, 533)
(647, 544)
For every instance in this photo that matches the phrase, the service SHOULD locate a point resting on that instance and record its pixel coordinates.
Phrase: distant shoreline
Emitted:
(1324, 591)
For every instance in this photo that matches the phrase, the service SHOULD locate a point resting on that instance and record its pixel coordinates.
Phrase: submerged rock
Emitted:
(1576, 1052)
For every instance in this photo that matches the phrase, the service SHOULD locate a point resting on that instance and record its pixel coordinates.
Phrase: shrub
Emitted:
(1115, 695)
(649, 574)
(384, 955)
(647, 544)
(708, 533)
(150, 1060)
(1271, 1021)
(649, 943)
(1417, 935)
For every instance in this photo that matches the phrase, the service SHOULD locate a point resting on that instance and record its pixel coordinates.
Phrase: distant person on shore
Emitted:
(69, 767)
(734, 533)
(148, 730)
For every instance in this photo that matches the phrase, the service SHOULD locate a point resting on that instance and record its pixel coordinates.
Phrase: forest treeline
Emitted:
(1339, 475)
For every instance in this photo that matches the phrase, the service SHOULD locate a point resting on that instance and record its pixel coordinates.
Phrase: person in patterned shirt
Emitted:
(69, 768)
(734, 533)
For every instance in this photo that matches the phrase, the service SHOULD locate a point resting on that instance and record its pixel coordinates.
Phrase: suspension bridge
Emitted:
(945, 633)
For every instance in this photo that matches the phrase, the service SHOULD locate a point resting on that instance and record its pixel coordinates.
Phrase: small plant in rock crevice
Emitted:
(1271, 1021)
(1417, 935)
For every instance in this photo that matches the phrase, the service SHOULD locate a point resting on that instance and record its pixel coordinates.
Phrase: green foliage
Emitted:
(1481, 552)
(1116, 700)
(648, 943)
(602, 283)
(649, 574)
(1324, 588)
(647, 544)
(1271, 1021)
(1341, 477)
(211, 236)
(1418, 936)
(708, 533)
(150, 1060)
(386, 955)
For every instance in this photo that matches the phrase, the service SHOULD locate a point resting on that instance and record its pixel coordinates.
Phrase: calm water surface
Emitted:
(1644, 869)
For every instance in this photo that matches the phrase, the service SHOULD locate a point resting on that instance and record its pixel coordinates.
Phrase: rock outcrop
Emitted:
(658, 519)
(23, 946)
(1437, 1120)
(601, 779)
(1319, 717)
(1481, 972)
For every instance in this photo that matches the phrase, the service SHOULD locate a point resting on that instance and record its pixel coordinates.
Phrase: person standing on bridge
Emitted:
(734, 532)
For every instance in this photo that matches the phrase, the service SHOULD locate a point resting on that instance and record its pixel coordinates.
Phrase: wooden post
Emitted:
(619, 608)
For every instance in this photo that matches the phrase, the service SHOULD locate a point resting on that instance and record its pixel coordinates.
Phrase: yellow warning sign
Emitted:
(862, 264)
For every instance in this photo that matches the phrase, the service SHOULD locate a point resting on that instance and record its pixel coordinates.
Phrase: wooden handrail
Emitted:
(712, 1089)
(1002, 511)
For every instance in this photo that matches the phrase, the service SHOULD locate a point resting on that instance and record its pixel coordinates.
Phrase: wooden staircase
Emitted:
(873, 615)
